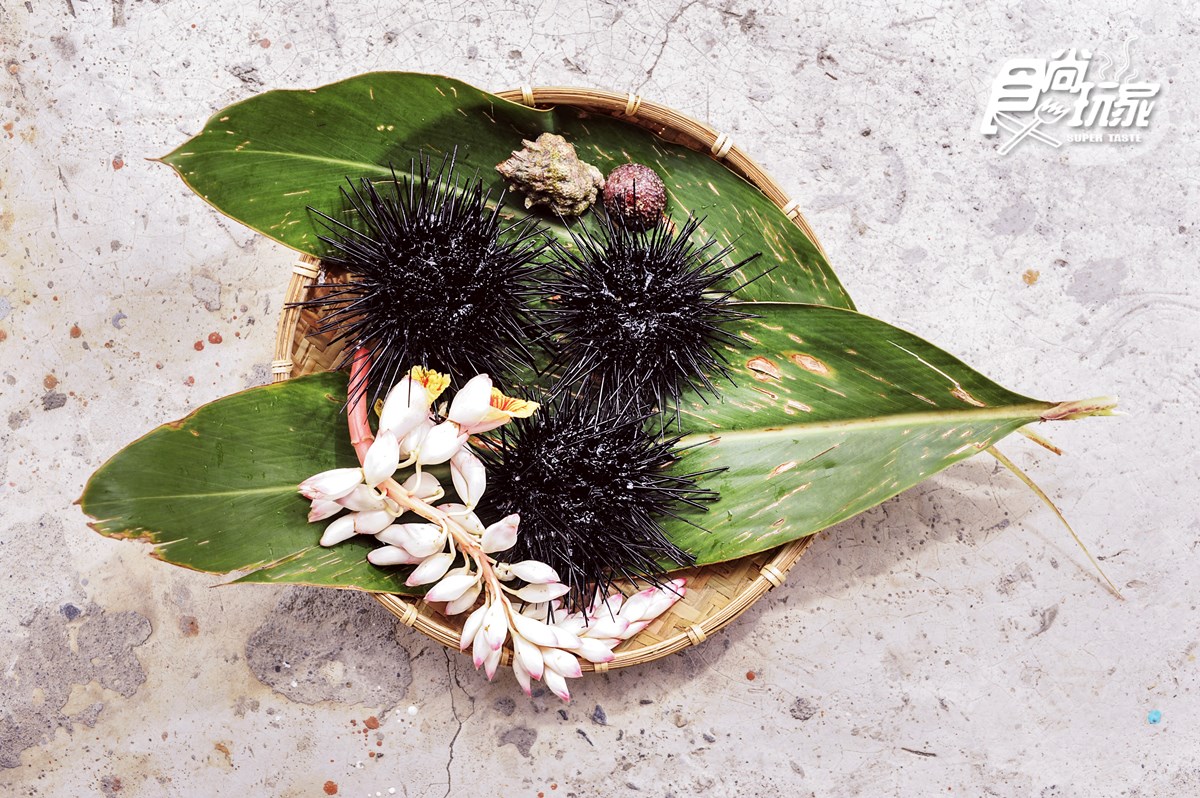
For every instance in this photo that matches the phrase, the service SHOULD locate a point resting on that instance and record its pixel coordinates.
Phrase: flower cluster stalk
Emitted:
(361, 438)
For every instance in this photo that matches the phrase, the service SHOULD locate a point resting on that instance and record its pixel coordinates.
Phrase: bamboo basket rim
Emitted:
(757, 579)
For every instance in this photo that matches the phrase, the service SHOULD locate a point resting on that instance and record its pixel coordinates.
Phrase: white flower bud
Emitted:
(522, 676)
(471, 628)
(406, 406)
(469, 475)
(529, 655)
(495, 625)
(539, 612)
(594, 650)
(430, 570)
(340, 530)
(480, 647)
(536, 594)
(372, 522)
(473, 402)
(561, 662)
(534, 572)
(574, 624)
(491, 662)
(543, 634)
(391, 555)
(634, 629)
(421, 540)
(452, 586)
(332, 484)
(607, 607)
(362, 499)
(501, 535)
(653, 601)
(465, 601)
(557, 684)
(412, 441)
(468, 519)
(440, 444)
(322, 509)
(607, 627)
(424, 486)
(383, 458)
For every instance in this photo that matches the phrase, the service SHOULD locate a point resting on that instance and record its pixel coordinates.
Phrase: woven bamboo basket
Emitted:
(716, 594)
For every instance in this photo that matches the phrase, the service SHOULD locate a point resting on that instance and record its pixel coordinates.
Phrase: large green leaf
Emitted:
(831, 413)
(263, 161)
(217, 491)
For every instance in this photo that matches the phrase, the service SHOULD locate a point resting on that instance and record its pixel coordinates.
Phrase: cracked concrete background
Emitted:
(952, 641)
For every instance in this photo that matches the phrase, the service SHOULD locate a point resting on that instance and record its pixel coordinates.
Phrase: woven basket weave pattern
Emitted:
(716, 594)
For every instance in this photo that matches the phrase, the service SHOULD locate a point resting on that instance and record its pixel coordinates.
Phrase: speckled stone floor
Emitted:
(952, 641)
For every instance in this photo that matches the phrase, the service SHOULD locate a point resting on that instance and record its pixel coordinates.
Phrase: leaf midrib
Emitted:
(1031, 411)
(274, 489)
(174, 158)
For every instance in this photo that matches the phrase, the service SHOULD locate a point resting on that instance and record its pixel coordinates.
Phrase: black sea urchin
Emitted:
(592, 487)
(640, 314)
(434, 277)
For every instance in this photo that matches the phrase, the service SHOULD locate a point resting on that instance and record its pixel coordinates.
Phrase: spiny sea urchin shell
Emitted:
(643, 315)
(434, 277)
(634, 196)
(592, 487)
(548, 172)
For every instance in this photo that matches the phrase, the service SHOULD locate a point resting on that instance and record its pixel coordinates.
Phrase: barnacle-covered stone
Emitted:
(548, 172)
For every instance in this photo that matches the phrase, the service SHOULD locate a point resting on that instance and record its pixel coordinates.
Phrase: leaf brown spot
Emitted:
(960, 393)
(782, 468)
(126, 534)
(763, 369)
(811, 364)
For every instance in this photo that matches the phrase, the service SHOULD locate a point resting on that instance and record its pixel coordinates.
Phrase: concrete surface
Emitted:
(951, 642)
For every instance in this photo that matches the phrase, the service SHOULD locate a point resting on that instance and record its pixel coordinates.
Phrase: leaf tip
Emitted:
(1082, 408)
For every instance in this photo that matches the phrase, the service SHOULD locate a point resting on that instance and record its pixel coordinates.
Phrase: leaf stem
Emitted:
(1041, 494)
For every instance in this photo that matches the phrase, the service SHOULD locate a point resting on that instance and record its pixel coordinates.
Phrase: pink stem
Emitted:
(361, 436)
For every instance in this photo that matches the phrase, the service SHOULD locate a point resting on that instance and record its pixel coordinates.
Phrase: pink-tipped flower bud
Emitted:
(332, 484)
(502, 535)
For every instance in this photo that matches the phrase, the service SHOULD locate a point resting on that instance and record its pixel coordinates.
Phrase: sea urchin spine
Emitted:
(432, 276)
(592, 487)
(643, 315)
